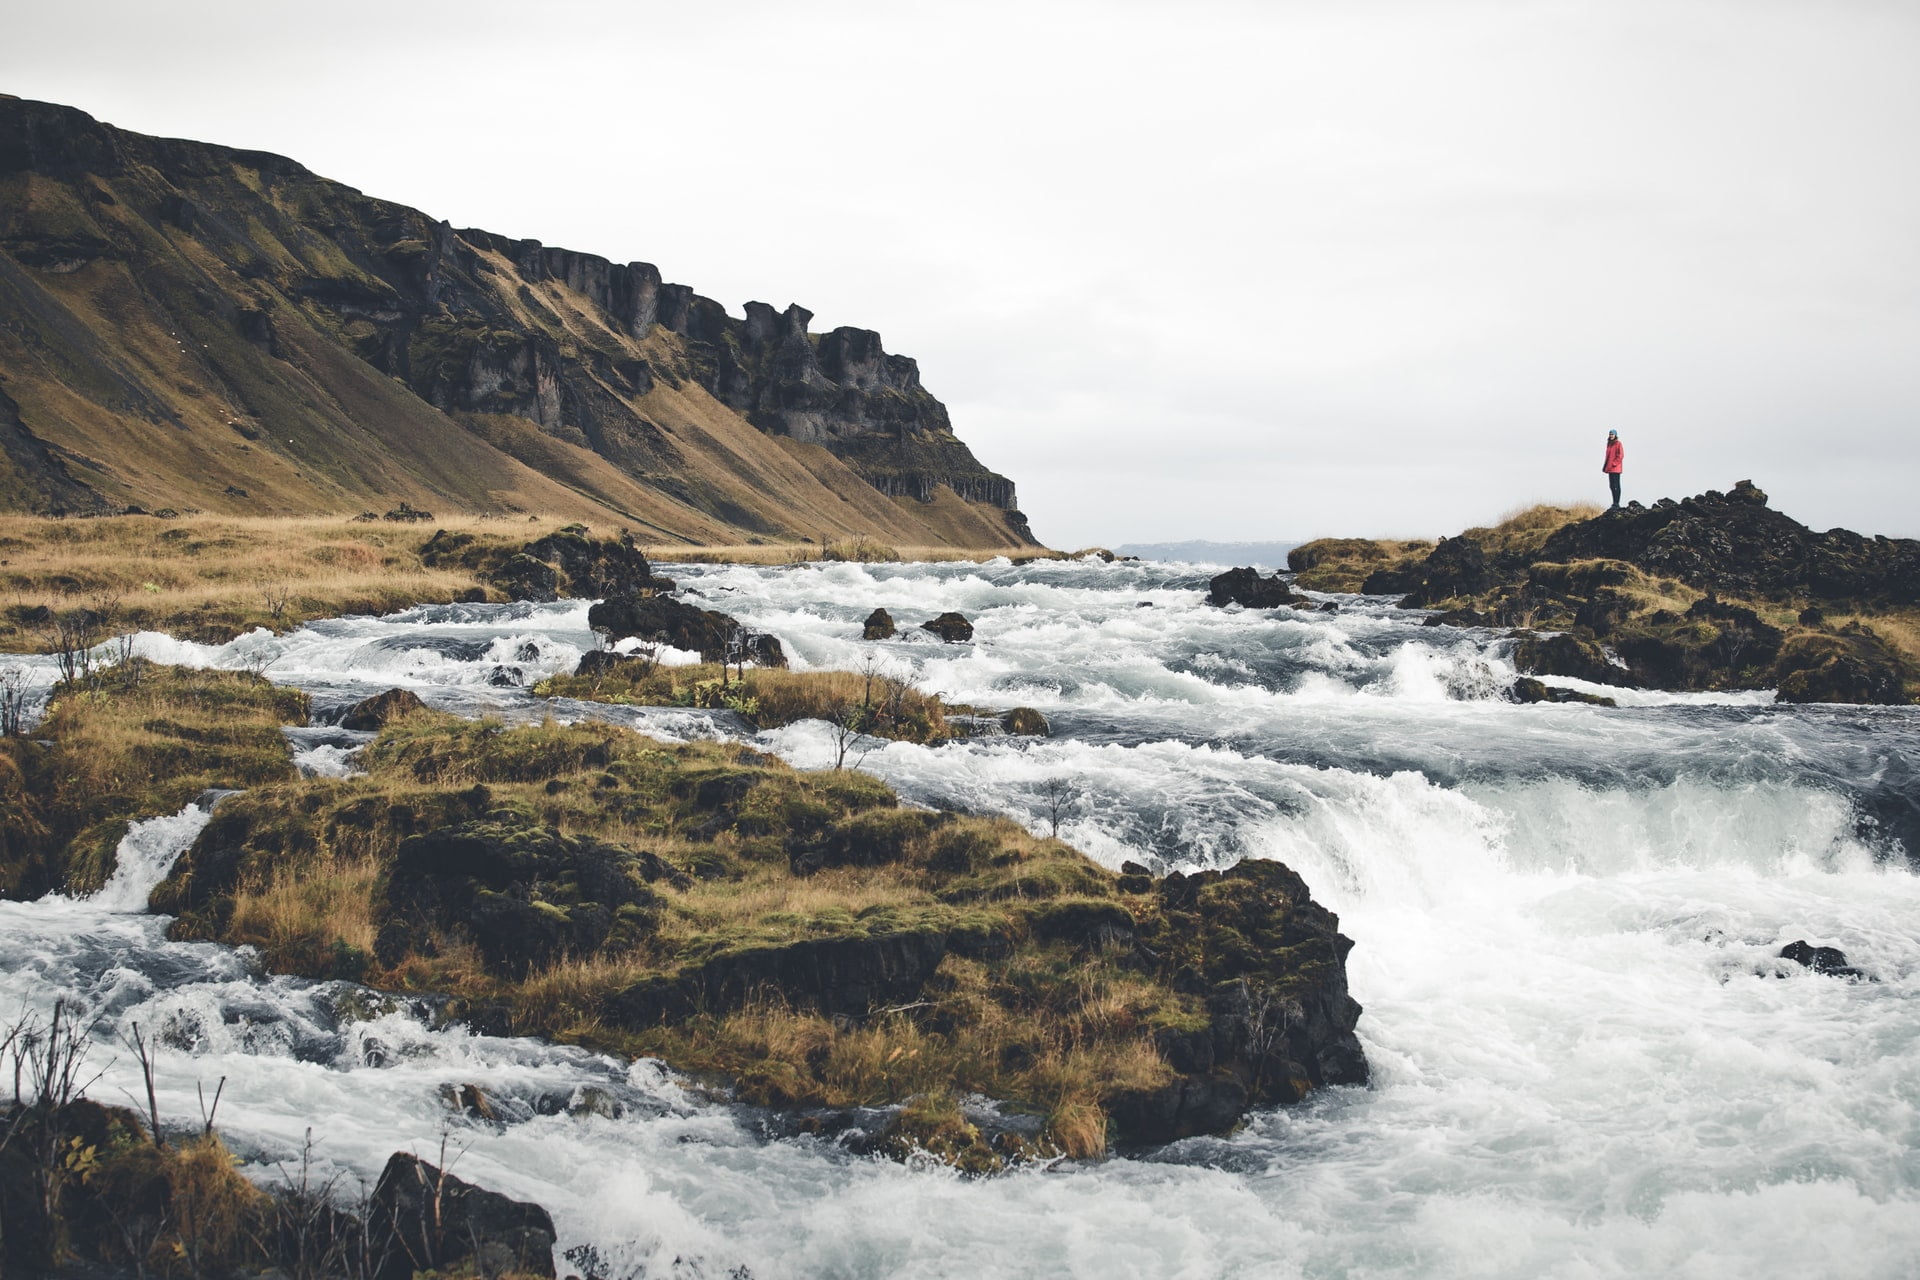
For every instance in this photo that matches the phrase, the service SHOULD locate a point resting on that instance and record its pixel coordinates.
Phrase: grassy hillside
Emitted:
(192, 327)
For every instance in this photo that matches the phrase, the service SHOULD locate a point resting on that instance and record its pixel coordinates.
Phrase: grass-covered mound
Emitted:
(801, 935)
(134, 741)
(860, 702)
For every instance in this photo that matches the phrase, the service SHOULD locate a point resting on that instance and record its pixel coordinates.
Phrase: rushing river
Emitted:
(1588, 1060)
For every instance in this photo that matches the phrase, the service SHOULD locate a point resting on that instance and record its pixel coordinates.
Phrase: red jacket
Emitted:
(1616, 454)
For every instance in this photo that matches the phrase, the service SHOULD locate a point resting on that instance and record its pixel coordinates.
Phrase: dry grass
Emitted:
(770, 697)
(1343, 564)
(214, 577)
(1525, 529)
(316, 917)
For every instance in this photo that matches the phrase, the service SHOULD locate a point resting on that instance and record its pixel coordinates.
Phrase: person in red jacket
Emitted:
(1616, 457)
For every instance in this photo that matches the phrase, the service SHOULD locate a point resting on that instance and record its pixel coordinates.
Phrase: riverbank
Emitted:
(210, 578)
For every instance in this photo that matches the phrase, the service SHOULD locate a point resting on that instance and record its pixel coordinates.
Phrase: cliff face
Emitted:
(181, 321)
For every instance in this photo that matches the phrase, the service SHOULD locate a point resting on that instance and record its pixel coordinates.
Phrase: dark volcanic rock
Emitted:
(1272, 964)
(879, 626)
(1527, 689)
(565, 563)
(1735, 544)
(1828, 960)
(950, 627)
(1245, 587)
(1566, 655)
(439, 1223)
(382, 709)
(715, 636)
(525, 892)
(1456, 567)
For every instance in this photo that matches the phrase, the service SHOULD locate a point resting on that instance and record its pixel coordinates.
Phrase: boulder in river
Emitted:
(1831, 961)
(666, 620)
(445, 1225)
(1527, 689)
(1025, 722)
(950, 627)
(1245, 587)
(373, 714)
(879, 626)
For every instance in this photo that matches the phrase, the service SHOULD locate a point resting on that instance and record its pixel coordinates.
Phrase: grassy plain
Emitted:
(210, 578)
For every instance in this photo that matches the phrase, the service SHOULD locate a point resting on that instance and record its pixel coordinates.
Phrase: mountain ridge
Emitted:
(189, 325)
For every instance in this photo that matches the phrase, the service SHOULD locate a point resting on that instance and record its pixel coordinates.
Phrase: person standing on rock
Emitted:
(1616, 458)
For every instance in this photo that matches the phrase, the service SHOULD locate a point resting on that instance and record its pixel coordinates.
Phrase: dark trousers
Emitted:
(1613, 482)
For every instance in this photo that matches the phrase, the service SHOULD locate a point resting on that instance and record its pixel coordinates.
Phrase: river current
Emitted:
(1588, 1058)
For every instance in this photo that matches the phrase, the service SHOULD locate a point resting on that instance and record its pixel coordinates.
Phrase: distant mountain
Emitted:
(187, 325)
(1270, 555)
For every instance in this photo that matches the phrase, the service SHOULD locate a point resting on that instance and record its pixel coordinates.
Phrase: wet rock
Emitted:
(1245, 587)
(1271, 962)
(439, 1223)
(1025, 722)
(527, 652)
(657, 619)
(1527, 689)
(382, 709)
(950, 627)
(504, 677)
(526, 577)
(1828, 960)
(1455, 567)
(1566, 655)
(879, 626)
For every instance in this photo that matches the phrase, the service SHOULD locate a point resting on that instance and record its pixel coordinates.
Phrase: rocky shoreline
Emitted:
(1713, 592)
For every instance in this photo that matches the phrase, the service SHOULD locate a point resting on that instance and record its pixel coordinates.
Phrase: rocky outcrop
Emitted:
(566, 564)
(879, 626)
(1589, 584)
(715, 636)
(447, 1226)
(1271, 963)
(1245, 587)
(1734, 544)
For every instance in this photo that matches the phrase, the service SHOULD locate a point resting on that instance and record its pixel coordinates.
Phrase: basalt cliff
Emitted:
(184, 325)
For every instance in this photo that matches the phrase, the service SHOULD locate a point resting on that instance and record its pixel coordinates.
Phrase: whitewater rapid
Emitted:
(1588, 1059)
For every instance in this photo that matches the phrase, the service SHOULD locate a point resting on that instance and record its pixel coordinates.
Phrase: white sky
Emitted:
(1194, 270)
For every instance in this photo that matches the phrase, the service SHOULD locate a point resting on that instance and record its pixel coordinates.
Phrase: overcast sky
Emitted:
(1209, 270)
